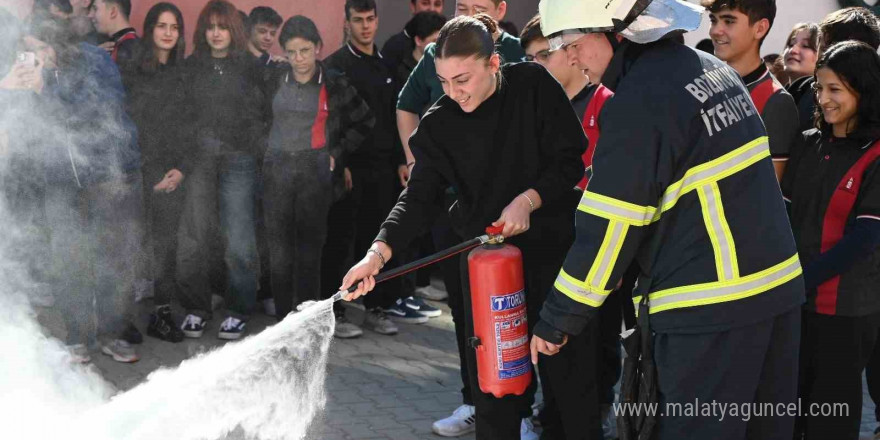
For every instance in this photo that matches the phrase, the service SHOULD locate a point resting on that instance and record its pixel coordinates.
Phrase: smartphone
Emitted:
(26, 58)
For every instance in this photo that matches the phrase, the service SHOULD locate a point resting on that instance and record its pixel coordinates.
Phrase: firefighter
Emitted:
(683, 184)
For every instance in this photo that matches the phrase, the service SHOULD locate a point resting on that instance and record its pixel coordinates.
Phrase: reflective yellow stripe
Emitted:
(725, 231)
(616, 210)
(714, 170)
(602, 266)
(723, 291)
(579, 290)
(703, 174)
(719, 232)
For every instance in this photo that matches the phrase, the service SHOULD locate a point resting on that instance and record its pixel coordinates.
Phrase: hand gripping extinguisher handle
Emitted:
(493, 235)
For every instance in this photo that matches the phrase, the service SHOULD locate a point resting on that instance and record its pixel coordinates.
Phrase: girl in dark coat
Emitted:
(226, 103)
(155, 102)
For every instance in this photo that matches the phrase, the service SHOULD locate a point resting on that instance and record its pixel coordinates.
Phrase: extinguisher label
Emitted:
(511, 334)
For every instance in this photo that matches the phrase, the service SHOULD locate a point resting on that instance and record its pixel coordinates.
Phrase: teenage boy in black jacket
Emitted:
(373, 167)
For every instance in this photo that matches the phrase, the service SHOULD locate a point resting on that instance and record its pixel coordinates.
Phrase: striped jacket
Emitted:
(683, 184)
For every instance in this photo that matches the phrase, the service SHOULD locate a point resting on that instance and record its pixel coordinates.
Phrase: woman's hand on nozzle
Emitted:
(363, 273)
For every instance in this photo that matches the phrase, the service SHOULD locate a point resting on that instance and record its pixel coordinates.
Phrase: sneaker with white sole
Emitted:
(432, 293)
(193, 326)
(399, 312)
(527, 430)
(377, 321)
(79, 354)
(345, 329)
(462, 421)
(422, 307)
(231, 329)
(121, 351)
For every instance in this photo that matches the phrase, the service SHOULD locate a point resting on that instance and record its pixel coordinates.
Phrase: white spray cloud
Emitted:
(269, 386)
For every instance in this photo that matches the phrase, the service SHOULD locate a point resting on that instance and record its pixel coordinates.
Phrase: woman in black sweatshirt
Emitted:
(833, 189)
(226, 104)
(155, 103)
(509, 143)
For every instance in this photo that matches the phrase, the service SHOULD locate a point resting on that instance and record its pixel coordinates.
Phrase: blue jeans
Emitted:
(97, 253)
(220, 188)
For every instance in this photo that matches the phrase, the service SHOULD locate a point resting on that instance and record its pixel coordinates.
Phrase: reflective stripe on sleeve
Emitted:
(579, 290)
(616, 210)
(602, 266)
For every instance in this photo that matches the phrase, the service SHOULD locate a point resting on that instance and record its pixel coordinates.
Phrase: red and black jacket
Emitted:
(587, 105)
(777, 109)
(831, 184)
(343, 120)
(124, 47)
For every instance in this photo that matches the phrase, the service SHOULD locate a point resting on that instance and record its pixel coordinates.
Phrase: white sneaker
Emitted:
(527, 430)
(79, 354)
(462, 421)
(192, 326)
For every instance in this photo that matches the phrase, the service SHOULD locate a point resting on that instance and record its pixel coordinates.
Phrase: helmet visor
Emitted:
(562, 39)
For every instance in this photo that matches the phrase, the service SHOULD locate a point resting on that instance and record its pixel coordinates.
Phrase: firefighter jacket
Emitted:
(683, 184)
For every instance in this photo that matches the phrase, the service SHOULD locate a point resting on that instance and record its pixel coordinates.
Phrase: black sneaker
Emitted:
(131, 334)
(193, 326)
(162, 326)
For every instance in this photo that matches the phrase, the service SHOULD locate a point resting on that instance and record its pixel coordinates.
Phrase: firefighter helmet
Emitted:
(641, 21)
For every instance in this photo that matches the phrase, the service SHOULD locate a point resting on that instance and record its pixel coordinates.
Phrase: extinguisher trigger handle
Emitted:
(474, 342)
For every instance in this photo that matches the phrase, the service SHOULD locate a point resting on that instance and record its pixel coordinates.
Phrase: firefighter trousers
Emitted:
(712, 385)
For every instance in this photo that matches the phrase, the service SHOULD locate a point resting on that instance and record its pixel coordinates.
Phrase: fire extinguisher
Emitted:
(498, 301)
(501, 330)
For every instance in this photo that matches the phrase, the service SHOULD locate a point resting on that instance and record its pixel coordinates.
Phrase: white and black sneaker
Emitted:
(399, 312)
(231, 328)
(462, 421)
(193, 326)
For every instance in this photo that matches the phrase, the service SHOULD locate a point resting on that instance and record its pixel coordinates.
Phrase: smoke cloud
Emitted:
(53, 148)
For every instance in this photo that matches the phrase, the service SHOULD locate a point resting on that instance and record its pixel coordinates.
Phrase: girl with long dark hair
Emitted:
(153, 81)
(833, 188)
(318, 119)
(224, 97)
(507, 140)
(799, 59)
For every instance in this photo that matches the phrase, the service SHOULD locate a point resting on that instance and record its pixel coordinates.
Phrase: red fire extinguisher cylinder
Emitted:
(498, 301)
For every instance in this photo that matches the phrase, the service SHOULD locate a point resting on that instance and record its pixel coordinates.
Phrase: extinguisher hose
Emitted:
(420, 263)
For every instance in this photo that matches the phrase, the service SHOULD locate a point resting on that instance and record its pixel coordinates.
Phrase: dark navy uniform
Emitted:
(683, 184)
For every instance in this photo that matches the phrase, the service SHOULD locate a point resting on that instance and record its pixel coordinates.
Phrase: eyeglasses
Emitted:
(542, 56)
